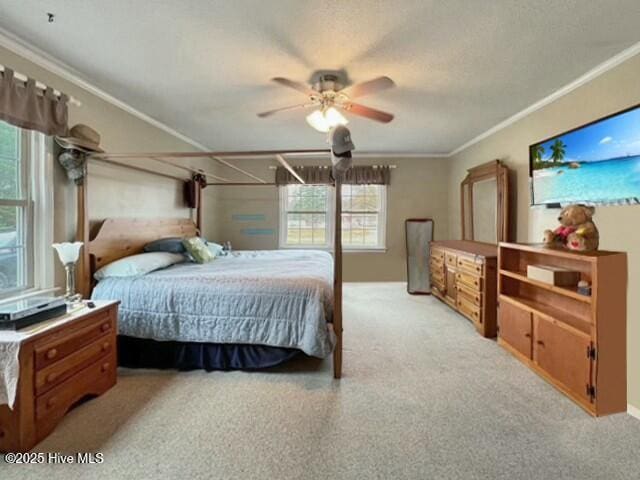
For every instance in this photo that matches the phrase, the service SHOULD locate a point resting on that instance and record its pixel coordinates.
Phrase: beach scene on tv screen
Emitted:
(599, 163)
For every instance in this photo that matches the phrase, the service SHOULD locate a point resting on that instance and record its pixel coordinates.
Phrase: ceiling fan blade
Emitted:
(368, 112)
(292, 107)
(369, 87)
(301, 87)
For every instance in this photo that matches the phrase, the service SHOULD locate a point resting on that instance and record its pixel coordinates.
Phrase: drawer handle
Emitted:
(105, 346)
(51, 377)
(540, 342)
(527, 335)
(105, 327)
(1, 433)
(51, 402)
(51, 354)
(105, 367)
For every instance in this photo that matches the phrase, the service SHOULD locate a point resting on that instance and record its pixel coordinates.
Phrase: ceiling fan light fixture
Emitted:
(316, 120)
(334, 117)
(325, 121)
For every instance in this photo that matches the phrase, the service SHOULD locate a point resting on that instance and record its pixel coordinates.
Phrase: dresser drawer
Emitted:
(437, 255)
(474, 283)
(54, 349)
(93, 380)
(470, 265)
(437, 277)
(450, 259)
(437, 267)
(469, 294)
(468, 309)
(58, 372)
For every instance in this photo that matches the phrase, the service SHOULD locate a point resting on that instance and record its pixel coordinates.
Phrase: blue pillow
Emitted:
(170, 245)
(140, 264)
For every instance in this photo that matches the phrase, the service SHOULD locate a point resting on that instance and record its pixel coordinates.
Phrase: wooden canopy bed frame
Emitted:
(118, 238)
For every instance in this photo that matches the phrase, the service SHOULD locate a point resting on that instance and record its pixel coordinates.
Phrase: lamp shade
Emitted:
(68, 252)
(323, 121)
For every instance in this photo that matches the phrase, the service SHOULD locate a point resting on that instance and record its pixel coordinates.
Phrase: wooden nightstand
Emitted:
(62, 361)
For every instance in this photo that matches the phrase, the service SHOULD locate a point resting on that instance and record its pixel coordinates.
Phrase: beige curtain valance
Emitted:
(24, 105)
(358, 175)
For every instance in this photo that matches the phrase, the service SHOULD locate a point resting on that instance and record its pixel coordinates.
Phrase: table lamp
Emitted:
(69, 253)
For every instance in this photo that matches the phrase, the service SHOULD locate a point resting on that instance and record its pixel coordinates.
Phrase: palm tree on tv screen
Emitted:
(537, 151)
(558, 150)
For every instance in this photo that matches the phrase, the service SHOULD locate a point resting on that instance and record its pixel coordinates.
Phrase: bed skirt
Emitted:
(145, 353)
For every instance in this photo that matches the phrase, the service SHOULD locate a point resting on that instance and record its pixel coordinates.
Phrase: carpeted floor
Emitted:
(423, 396)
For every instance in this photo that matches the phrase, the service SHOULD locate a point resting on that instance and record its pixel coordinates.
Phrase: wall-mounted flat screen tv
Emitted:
(598, 163)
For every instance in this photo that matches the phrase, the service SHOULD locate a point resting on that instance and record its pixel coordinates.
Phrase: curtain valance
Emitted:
(317, 175)
(24, 105)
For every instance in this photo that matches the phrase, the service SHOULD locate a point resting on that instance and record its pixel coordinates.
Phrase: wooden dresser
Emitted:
(576, 342)
(62, 361)
(463, 275)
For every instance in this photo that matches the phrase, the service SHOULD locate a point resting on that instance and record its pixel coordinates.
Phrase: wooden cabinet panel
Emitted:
(563, 354)
(515, 327)
(450, 287)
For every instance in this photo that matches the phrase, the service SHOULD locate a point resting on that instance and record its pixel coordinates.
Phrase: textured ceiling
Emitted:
(203, 67)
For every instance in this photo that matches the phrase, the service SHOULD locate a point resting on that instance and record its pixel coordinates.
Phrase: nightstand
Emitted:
(62, 361)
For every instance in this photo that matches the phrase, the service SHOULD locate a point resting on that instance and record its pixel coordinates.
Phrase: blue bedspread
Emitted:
(279, 298)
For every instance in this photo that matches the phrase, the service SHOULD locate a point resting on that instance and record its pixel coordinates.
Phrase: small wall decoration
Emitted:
(255, 217)
(253, 232)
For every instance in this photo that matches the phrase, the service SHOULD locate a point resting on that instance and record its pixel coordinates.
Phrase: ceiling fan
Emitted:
(329, 94)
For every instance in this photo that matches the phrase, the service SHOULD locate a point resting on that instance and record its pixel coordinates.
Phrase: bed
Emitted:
(246, 310)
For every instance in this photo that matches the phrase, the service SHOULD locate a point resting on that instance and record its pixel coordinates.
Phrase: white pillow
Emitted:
(140, 264)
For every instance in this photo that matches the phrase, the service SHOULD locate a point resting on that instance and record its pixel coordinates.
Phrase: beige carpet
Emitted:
(423, 396)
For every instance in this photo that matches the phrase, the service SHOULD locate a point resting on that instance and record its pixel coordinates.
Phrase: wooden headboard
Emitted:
(121, 237)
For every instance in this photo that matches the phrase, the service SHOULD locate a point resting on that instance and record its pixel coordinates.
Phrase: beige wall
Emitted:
(619, 226)
(418, 189)
(113, 191)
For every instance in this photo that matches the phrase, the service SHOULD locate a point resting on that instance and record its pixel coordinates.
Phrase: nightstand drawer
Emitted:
(93, 380)
(53, 350)
(53, 375)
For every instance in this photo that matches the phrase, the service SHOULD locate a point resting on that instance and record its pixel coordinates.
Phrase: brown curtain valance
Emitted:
(24, 105)
(358, 175)
(311, 175)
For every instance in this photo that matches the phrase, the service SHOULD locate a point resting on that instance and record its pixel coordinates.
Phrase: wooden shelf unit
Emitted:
(576, 342)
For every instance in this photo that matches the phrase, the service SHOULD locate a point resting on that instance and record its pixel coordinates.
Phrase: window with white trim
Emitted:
(306, 216)
(26, 212)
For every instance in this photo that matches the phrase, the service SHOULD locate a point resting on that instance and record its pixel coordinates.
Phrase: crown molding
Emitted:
(37, 56)
(604, 67)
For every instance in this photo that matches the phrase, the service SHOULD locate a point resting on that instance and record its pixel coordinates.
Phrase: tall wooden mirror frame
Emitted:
(486, 171)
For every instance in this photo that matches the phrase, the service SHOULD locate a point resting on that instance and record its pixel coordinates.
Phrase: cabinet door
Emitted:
(450, 281)
(563, 355)
(515, 327)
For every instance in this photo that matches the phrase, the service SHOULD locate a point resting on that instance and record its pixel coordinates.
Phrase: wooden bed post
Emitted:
(82, 235)
(337, 280)
(198, 205)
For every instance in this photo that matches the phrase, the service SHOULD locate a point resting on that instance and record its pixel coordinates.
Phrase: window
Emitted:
(363, 216)
(306, 216)
(25, 212)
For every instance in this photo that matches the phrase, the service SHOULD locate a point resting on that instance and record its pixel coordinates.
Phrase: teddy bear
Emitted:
(576, 231)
